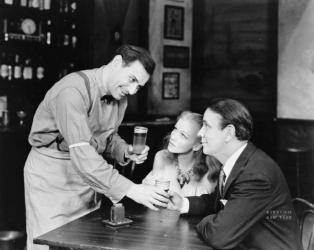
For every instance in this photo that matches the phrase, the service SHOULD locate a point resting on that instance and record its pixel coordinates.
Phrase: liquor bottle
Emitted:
(66, 36)
(3, 66)
(65, 6)
(23, 3)
(49, 32)
(5, 30)
(41, 5)
(17, 69)
(10, 67)
(73, 6)
(33, 4)
(60, 6)
(40, 69)
(8, 2)
(73, 36)
(27, 70)
(47, 4)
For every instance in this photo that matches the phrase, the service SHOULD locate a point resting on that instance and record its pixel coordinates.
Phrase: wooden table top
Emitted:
(150, 230)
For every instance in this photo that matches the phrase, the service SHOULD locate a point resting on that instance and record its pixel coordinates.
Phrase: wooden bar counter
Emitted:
(150, 230)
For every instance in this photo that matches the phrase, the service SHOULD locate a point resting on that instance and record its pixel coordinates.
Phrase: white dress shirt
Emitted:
(227, 168)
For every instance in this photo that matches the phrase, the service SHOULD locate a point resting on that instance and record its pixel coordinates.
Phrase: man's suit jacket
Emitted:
(258, 213)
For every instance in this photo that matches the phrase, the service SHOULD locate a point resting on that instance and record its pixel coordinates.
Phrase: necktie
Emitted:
(222, 178)
(107, 98)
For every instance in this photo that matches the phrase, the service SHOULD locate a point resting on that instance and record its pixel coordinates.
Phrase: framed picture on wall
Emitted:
(171, 85)
(176, 56)
(174, 22)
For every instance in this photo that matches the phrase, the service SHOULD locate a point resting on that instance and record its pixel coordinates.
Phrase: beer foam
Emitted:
(140, 130)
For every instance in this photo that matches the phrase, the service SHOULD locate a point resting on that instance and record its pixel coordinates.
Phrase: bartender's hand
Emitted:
(137, 158)
(176, 201)
(148, 195)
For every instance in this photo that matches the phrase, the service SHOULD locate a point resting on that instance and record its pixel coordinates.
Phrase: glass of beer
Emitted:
(139, 139)
(163, 184)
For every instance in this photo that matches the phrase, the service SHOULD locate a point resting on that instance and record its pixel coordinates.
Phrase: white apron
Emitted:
(54, 193)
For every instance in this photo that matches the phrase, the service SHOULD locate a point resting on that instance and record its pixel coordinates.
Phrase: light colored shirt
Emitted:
(64, 111)
(165, 168)
(227, 168)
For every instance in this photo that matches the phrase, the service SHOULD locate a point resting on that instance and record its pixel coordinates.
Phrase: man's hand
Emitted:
(148, 195)
(176, 201)
(137, 158)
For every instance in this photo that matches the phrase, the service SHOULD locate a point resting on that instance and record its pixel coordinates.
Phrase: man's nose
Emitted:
(200, 133)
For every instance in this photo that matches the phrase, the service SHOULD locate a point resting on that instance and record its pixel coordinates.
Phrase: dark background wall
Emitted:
(235, 56)
(235, 53)
(115, 23)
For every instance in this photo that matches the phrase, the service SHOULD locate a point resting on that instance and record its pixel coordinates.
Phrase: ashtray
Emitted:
(123, 222)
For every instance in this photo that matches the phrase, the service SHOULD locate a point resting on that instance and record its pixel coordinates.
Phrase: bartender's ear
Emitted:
(117, 61)
(197, 147)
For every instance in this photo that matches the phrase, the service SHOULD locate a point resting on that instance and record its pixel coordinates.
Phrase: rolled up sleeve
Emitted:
(71, 117)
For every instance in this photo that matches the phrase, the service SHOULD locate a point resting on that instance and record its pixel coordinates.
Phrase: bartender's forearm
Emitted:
(97, 173)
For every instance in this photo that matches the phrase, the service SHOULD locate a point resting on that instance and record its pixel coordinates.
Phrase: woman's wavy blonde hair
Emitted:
(204, 163)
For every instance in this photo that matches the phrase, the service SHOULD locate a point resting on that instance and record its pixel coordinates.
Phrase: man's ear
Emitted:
(197, 147)
(117, 61)
(231, 133)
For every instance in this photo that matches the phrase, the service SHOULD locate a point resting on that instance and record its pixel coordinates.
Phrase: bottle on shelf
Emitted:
(3, 66)
(27, 70)
(73, 6)
(33, 4)
(60, 6)
(8, 2)
(47, 4)
(40, 69)
(5, 30)
(73, 36)
(66, 36)
(10, 67)
(41, 5)
(48, 36)
(65, 6)
(23, 3)
(17, 68)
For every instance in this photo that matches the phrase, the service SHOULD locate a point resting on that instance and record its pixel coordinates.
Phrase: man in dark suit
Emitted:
(251, 207)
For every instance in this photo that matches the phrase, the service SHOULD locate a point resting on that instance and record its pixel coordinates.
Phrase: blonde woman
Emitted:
(190, 172)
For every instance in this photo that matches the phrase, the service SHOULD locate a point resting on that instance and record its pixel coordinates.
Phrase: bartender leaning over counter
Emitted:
(76, 122)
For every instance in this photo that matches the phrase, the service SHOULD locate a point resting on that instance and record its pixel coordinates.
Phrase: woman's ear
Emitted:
(197, 147)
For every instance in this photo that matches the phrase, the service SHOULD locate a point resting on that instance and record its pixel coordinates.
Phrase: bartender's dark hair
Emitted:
(234, 113)
(132, 53)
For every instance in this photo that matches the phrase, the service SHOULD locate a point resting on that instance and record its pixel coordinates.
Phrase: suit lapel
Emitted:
(239, 165)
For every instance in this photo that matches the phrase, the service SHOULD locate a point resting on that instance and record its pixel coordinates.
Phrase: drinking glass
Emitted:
(139, 139)
(163, 184)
